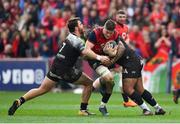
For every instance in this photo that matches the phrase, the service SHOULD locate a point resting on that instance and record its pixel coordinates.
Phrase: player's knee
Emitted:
(140, 91)
(128, 90)
(108, 78)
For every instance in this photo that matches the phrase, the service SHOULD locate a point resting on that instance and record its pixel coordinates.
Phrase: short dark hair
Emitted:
(72, 23)
(120, 11)
(110, 25)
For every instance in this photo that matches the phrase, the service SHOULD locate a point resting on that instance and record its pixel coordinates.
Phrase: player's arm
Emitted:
(109, 49)
(88, 53)
(120, 52)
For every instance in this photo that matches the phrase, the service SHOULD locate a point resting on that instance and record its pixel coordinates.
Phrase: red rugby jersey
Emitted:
(100, 40)
(122, 29)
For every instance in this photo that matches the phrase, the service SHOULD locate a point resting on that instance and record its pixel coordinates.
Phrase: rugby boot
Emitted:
(160, 112)
(103, 110)
(147, 112)
(130, 103)
(175, 96)
(14, 107)
(85, 113)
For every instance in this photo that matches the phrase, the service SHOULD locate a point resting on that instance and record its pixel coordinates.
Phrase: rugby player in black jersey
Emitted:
(132, 79)
(63, 69)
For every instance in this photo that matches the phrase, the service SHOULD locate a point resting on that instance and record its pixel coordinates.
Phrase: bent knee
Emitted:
(108, 78)
(128, 90)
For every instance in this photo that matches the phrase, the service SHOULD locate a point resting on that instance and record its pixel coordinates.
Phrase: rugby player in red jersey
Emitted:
(122, 29)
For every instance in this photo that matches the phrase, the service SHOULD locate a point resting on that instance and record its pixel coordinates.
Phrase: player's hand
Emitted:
(104, 59)
(107, 63)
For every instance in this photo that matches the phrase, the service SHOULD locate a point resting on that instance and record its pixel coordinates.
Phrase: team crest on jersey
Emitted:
(123, 35)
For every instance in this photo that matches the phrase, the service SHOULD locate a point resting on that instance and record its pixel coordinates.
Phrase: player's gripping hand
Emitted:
(103, 59)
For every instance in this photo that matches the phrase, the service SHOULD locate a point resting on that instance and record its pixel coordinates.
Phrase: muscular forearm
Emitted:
(120, 52)
(89, 54)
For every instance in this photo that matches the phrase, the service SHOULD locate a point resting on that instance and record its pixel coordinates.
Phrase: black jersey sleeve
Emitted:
(81, 46)
(92, 37)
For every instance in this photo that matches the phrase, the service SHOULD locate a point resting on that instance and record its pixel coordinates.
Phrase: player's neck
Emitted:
(76, 33)
(120, 24)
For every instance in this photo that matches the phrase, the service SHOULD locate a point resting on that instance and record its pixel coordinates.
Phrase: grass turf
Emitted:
(63, 108)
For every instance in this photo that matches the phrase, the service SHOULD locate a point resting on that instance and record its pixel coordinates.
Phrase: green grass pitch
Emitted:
(63, 108)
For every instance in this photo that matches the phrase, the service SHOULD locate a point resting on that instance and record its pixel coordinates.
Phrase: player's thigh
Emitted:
(105, 73)
(139, 86)
(129, 84)
(47, 84)
(84, 79)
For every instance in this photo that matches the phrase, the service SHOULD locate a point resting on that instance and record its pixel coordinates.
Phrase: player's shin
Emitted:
(147, 96)
(138, 100)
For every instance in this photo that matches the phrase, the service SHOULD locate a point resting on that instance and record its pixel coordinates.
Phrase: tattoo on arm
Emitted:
(120, 51)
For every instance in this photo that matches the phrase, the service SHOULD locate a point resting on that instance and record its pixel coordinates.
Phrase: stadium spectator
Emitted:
(21, 14)
(175, 39)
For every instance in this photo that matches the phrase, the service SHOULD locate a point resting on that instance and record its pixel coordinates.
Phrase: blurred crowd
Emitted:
(34, 28)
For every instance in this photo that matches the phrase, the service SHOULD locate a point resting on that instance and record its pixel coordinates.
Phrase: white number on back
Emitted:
(64, 44)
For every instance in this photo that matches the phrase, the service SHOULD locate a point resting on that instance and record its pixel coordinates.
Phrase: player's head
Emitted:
(121, 16)
(109, 28)
(75, 25)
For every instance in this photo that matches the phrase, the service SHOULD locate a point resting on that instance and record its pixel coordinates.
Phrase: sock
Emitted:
(148, 98)
(102, 104)
(22, 100)
(83, 106)
(102, 88)
(144, 106)
(125, 97)
(136, 98)
(106, 97)
(157, 107)
(178, 92)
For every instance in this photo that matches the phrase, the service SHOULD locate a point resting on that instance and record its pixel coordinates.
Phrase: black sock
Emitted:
(178, 92)
(136, 98)
(102, 88)
(125, 97)
(106, 97)
(148, 98)
(83, 106)
(22, 100)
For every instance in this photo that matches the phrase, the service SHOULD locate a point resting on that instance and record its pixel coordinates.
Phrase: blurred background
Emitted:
(31, 30)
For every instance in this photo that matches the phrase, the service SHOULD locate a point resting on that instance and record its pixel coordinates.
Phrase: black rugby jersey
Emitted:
(129, 57)
(70, 50)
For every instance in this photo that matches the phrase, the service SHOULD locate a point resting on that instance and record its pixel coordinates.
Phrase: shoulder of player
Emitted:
(72, 37)
(121, 25)
(98, 29)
